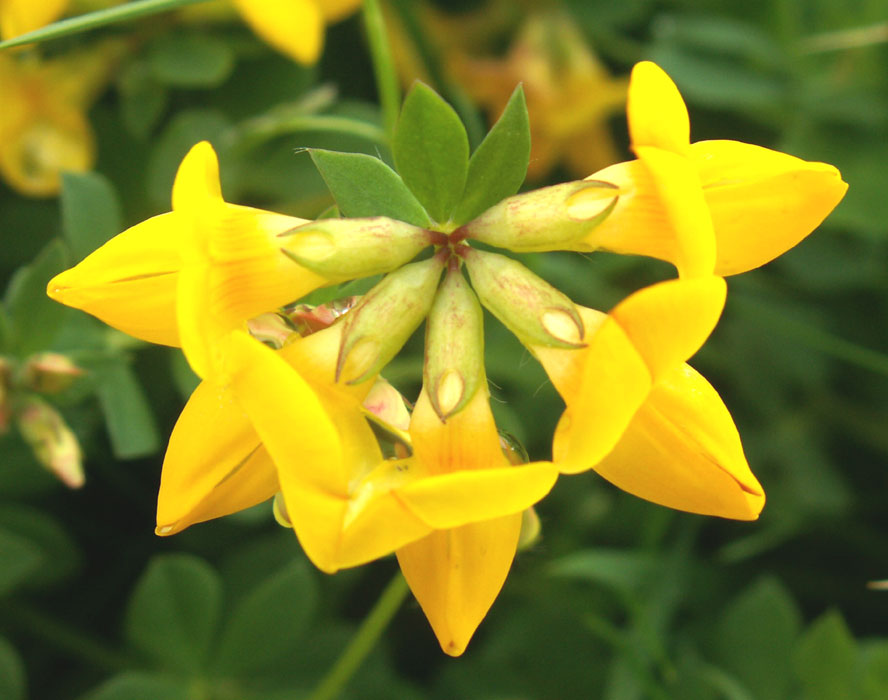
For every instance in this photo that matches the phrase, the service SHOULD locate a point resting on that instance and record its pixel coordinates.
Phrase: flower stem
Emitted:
(364, 640)
(383, 66)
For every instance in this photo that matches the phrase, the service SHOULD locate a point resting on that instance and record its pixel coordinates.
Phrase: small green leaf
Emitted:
(34, 317)
(136, 685)
(621, 570)
(59, 553)
(190, 60)
(267, 626)
(12, 673)
(19, 559)
(431, 151)
(174, 610)
(143, 99)
(365, 186)
(825, 659)
(128, 415)
(90, 212)
(499, 165)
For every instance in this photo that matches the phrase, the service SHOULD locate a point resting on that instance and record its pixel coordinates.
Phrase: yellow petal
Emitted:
(22, 16)
(214, 464)
(762, 202)
(293, 27)
(197, 179)
(668, 322)
(657, 114)
(130, 282)
(682, 450)
(457, 574)
(678, 186)
(335, 10)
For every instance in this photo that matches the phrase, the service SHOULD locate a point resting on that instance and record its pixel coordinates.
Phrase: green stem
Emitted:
(364, 640)
(58, 634)
(92, 20)
(383, 65)
(259, 130)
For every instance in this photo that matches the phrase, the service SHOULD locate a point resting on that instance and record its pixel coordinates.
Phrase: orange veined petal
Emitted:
(457, 574)
(656, 112)
(214, 464)
(293, 27)
(762, 202)
(130, 282)
(682, 451)
(22, 16)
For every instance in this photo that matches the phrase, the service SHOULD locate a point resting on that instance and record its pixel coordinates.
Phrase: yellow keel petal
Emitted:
(293, 27)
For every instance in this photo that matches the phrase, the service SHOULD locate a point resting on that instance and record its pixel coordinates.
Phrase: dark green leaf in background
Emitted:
(12, 673)
(365, 186)
(143, 99)
(134, 685)
(174, 611)
(128, 415)
(825, 659)
(498, 166)
(90, 212)
(431, 151)
(191, 60)
(19, 559)
(59, 554)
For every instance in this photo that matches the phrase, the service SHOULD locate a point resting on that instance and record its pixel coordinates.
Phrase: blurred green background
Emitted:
(620, 599)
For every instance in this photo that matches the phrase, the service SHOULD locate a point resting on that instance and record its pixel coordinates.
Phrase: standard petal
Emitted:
(457, 574)
(130, 282)
(197, 179)
(214, 464)
(657, 114)
(293, 27)
(668, 322)
(682, 451)
(762, 202)
(22, 16)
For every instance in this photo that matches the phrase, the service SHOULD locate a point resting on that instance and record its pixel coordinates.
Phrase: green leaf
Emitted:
(874, 669)
(267, 626)
(365, 186)
(12, 673)
(34, 317)
(143, 99)
(755, 639)
(190, 60)
(135, 685)
(20, 558)
(58, 551)
(431, 151)
(825, 659)
(184, 378)
(90, 212)
(128, 415)
(174, 610)
(621, 570)
(499, 165)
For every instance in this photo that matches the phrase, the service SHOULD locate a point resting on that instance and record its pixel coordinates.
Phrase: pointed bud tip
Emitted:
(563, 327)
(449, 394)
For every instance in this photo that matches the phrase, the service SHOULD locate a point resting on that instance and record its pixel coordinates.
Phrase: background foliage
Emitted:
(620, 599)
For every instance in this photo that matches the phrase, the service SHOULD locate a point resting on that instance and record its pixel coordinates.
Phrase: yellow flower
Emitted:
(721, 206)
(642, 418)
(190, 276)
(21, 16)
(43, 125)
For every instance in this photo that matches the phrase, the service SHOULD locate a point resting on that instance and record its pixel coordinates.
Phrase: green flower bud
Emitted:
(550, 218)
(454, 349)
(376, 329)
(49, 372)
(536, 312)
(344, 249)
(52, 441)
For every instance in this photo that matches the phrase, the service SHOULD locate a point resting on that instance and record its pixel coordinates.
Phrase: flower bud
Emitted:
(311, 319)
(531, 529)
(50, 372)
(51, 440)
(454, 349)
(550, 218)
(344, 249)
(386, 403)
(272, 329)
(536, 312)
(376, 329)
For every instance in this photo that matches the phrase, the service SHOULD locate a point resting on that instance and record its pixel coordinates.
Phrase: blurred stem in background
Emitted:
(383, 66)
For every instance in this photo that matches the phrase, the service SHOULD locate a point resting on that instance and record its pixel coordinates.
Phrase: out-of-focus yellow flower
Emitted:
(642, 418)
(44, 129)
(22, 16)
(570, 95)
(721, 206)
(190, 276)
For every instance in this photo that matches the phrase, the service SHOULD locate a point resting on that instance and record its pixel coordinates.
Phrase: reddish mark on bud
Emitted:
(459, 235)
(437, 238)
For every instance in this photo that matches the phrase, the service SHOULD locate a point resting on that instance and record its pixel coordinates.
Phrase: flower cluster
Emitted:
(292, 404)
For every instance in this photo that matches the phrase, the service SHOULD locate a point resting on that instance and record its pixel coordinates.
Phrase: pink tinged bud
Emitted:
(536, 312)
(49, 373)
(454, 352)
(551, 218)
(344, 249)
(51, 440)
(310, 319)
(386, 403)
(381, 323)
(272, 329)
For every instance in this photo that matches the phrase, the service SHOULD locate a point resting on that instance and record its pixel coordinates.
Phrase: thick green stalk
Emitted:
(92, 20)
(383, 65)
(364, 640)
